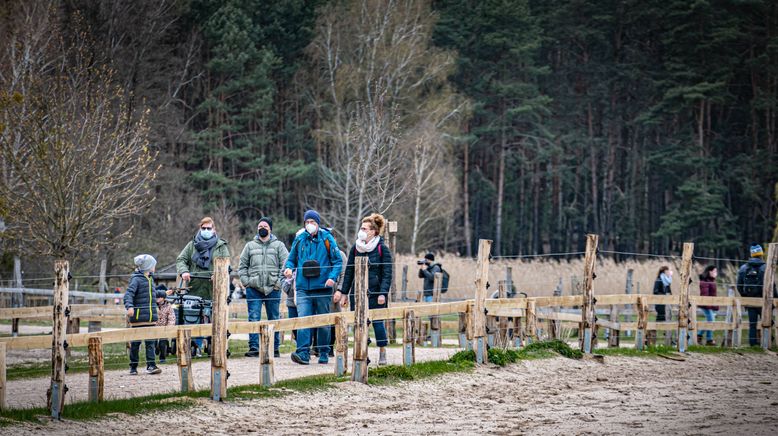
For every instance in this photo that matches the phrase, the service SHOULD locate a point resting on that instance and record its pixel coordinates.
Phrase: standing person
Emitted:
(142, 310)
(370, 244)
(750, 283)
(165, 316)
(708, 289)
(261, 263)
(427, 272)
(664, 278)
(316, 258)
(195, 264)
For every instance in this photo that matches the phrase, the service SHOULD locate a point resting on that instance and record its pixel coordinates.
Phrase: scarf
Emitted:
(366, 247)
(666, 280)
(203, 250)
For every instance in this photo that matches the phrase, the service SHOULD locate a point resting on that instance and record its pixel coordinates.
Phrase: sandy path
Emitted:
(243, 371)
(707, 394)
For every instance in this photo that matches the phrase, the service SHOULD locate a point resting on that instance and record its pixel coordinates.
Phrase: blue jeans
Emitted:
(380, 333)
(428, 298)
(710, 316)
(313, 302)
(254, 301)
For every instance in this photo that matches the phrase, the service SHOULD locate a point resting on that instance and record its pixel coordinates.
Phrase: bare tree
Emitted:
(373, 67)
(74, 160)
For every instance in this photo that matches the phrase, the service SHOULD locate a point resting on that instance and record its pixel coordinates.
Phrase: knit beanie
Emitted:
(756, 250)
(312, 215)
(268, 221)
(145, 262)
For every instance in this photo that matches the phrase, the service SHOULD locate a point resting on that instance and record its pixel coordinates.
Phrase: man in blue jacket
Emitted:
(316, 259)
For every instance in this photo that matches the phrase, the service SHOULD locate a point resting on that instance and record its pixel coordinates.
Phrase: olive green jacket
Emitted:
(261, 264)
(200, 285)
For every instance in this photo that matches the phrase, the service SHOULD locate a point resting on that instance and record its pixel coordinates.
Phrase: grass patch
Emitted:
(537, 350)
(394, 373)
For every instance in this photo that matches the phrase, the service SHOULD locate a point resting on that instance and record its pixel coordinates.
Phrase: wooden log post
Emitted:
(184, 359)
(341, 346)
(628, 288)
(640, 334)
(554, 326)
(587, 309)
(683, 296)
(518, 331)
(391, 327)
(479, 316)
(73, 328)
(531, 327)
(737, 320)
(435, 334)
(502, 322)
(728, 319)
(55, 397)
(404, 284)
(3, 405)
(767, 295)
(462, 330)
(102, 287)
(96, 370)
(219, 320)
(359, 367)
(266, 343)
(469, 325)
(409, 342)
(614, 333)
(693, 332)
(15, 327)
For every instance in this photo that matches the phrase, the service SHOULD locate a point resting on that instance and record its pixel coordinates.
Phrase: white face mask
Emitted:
(362, 235)
(311, 228)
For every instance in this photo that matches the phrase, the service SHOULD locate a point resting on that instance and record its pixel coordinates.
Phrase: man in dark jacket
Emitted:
(750, 283)
(142, 310)
(427, 272)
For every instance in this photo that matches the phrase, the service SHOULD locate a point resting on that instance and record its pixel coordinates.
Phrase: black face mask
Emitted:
(263, 232)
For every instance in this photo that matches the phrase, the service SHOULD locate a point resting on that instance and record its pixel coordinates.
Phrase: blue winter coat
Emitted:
(140, 297)
(306, 247)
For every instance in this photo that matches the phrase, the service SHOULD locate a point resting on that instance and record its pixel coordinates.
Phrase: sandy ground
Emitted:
(706, 394)
(243, 371)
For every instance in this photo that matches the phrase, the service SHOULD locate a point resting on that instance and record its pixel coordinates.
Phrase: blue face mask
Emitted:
(206, 234)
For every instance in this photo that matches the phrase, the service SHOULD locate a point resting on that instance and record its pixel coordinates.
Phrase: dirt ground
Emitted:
(706, 394)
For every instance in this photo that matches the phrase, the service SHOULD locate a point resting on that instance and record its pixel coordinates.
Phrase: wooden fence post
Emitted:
(767, 295)
(683, 296)
(15, 327)
(391, 328)
(404, 284)
(737, 318)
(3, 405)
(184, 359)
(518, 331)
(628, 287)
(435, 337)
(55, 397)
(469, 325)
(613, 333)
(219, 319)
(728, 333)
(409, 342)
(462, 330)
(531, 320)
(341, 346)
(73, 328)
(96, 370)
(640, 335)
(587, 309)
(266, 343)
(479, 316)
(502, 322)
(359, 367)
(693, 332)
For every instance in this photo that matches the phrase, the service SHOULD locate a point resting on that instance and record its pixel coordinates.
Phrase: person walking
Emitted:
(750, 283)
(142, 310)
(316, 258)
(708, 289)
(261, 263)
(370, 244)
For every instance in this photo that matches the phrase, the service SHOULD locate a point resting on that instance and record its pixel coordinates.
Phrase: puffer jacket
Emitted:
(313, 248)
(261, 264)
(140, 297)
(379, 273)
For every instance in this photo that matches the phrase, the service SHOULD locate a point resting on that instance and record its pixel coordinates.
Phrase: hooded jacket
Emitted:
(261, 264)
(307, 247)
(140, 297)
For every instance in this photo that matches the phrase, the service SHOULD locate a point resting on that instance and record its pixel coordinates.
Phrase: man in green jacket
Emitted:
(261, 263)
(195, 263)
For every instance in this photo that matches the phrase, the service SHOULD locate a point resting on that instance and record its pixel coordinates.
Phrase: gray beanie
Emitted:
(145, 262)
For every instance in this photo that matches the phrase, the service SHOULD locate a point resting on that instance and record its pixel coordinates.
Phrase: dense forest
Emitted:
(524, 121)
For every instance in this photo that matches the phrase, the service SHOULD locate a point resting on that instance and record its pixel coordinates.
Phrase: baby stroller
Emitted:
(191, 310)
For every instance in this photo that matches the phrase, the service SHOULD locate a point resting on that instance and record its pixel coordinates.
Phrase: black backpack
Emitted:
(752, 283)
(446, 277)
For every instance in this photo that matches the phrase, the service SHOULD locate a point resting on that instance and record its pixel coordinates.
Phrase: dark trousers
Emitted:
(754, 313)
(135, 350)
(163, 346)
(660, 313)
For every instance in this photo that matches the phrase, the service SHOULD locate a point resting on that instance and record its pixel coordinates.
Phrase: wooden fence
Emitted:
(517, 321)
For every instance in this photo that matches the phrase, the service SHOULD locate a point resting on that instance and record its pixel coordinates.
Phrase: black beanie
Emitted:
(430, 257)
(267, 220)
